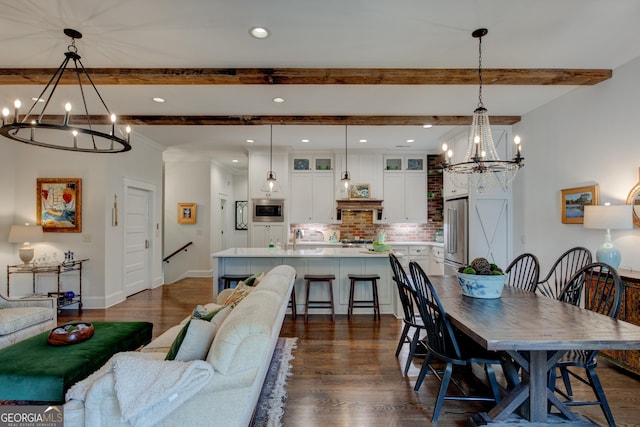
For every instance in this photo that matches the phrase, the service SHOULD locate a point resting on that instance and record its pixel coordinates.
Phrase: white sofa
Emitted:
(240, 355)
(24, 318)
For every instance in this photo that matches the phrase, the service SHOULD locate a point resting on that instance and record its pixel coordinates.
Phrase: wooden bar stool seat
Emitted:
(319, 278)
(374, 302)
(229, 279)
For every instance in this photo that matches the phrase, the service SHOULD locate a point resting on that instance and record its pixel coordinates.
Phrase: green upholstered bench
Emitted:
(34, 370)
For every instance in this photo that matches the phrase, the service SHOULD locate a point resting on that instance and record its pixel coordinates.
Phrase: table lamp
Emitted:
(617, 217)
(25, 234)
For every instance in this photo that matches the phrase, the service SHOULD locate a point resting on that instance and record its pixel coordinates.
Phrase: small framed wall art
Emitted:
(186, 213)
(59, 204)
(574, 200)
(359, 191)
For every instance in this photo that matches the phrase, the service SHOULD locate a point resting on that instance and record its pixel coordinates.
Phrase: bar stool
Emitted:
(292, 303)
(374, 303)
(228, 279)
(319, 278)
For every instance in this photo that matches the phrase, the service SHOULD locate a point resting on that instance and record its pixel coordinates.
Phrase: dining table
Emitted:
(535, 331)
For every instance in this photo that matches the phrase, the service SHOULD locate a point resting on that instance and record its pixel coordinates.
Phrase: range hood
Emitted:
(359, 205)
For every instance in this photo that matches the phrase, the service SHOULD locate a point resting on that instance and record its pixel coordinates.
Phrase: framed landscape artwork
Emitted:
(574, 200)
(359, 191)
(186, 213)
(59, 204)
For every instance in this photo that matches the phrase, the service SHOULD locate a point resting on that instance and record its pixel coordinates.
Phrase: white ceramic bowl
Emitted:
(478, 286)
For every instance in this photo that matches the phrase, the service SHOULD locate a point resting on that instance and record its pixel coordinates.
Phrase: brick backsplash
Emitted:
(359, 224)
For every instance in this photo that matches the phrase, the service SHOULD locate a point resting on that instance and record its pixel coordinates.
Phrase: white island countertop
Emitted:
(330, 252)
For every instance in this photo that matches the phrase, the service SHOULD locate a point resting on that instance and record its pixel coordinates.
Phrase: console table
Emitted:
(629, 312)
(58, 270)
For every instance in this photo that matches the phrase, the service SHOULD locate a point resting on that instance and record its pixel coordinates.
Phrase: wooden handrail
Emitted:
(167, 258)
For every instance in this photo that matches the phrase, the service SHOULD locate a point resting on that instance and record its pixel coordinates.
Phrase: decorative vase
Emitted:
(479, 286)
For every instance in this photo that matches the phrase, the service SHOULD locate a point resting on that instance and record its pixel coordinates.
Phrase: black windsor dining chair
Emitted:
(562, 270)
(523, 272)
(596, 287)
(410, 319)
(443, 345)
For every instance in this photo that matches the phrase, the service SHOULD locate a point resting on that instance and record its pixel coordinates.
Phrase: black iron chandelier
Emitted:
(482, 166)
(79, 132)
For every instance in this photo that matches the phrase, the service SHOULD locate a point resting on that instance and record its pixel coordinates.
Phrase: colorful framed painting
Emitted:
(574, 200)
(186, 213)
(59, 204)
(359, 191)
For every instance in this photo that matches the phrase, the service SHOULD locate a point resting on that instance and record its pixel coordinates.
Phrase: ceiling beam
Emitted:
(141, 120)
(311, 76)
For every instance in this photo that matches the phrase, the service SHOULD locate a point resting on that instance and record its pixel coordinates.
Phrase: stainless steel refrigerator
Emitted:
(456, 223)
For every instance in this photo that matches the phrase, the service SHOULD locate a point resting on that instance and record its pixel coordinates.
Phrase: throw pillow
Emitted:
(197, 340)
(254, 280)
(240, 291)
(199, 333)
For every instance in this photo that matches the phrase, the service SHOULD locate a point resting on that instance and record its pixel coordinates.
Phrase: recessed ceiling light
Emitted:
(259, 32)
(410, 140)
(235, 160)
(427, 126)
(158, 99)
(250, 141)
(278, 100)
(37, 99)
(363, 140)
(305, 140)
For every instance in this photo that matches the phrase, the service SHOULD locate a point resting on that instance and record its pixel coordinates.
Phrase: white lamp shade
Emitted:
(615, 217)
(25, 234)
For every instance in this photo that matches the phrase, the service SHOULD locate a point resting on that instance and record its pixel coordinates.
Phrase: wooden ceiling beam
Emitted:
(311, 76)
(141, 120)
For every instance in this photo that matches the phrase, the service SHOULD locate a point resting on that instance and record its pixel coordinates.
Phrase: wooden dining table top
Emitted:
(524, 321)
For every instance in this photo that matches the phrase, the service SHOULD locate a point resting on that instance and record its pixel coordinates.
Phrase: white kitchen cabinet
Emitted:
(410, 163)
(262, 234)
(364, 169)
(301, 204)
(458, 144)
(312, 187)
(420, 255)
(436, 262)
(405, 197)
(259, 165)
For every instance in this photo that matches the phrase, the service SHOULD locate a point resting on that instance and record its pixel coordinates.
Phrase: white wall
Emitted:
(187, 182)
(8, 175)
(588, 136)
(102, 177)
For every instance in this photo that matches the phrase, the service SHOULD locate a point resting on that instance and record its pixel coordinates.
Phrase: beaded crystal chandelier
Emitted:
(482, 167)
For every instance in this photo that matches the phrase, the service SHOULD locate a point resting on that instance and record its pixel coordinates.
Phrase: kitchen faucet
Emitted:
(297, 234)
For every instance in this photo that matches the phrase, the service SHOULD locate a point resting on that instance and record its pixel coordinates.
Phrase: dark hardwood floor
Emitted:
(345, 373)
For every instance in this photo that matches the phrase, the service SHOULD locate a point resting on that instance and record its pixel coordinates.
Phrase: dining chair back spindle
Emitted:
(410, 319)
(562, 270)
(596, 287)
(523, 272)
(443, 344)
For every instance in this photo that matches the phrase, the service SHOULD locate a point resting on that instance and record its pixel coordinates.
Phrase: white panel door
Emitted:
(137, 241)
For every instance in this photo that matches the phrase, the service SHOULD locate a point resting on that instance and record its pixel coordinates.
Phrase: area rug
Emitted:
(273, 396)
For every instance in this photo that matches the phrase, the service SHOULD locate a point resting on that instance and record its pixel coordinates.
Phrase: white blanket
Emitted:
(147, 390)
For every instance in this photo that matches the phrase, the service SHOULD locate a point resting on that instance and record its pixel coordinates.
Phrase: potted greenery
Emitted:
(481, 279)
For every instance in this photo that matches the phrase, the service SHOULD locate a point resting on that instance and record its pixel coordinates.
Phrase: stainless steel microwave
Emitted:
(268, 210)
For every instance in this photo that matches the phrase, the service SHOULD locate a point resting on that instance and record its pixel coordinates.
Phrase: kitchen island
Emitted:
(331, 260)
